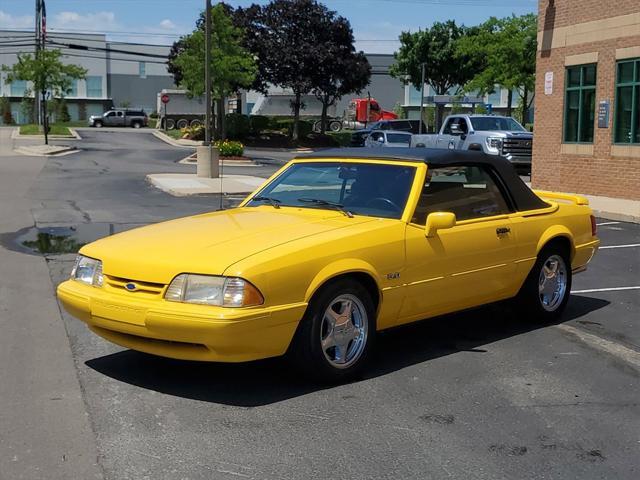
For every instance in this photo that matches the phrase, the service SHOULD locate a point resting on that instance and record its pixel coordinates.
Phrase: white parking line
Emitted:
(620, 246)
(606, 223)
(612, 289)
(620, 351)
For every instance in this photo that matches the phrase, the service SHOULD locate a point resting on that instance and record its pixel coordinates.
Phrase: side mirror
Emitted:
(455, 129)
(439, 221)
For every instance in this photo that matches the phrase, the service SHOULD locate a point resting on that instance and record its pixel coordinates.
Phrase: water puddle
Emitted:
(59, 240)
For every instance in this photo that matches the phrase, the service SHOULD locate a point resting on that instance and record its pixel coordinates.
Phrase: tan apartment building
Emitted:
(587, 104)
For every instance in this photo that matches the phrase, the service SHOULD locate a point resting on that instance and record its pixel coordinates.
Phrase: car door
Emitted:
(120, 119)
(469, 264)
(445, 137)
(110, 119)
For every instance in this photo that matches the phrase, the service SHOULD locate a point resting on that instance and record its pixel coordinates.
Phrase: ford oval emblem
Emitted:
(131, 286)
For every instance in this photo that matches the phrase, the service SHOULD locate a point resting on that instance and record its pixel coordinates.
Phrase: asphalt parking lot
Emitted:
(477, 395)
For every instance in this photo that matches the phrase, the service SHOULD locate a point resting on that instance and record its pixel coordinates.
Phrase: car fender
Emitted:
(556, 231)
(340, 267)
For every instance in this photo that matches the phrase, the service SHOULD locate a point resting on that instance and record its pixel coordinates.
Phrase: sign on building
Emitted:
(548, 83)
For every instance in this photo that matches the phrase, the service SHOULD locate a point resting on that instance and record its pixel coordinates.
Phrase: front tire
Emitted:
(335, 337)
(546, 291)
(97, 124)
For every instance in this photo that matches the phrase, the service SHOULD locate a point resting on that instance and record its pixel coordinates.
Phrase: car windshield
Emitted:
(398, 138)
(357, 188)
(496, 123)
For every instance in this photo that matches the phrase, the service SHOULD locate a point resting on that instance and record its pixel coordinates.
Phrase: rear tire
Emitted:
(195, 123)
(336, 335)
(546, 291)
(335, 126)
(182, 123)
(171, 124)
(136, 124)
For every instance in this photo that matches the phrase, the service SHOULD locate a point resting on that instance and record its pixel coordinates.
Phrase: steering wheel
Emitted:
(384, 203)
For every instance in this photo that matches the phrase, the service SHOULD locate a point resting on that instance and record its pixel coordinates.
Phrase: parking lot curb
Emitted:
(171, 141)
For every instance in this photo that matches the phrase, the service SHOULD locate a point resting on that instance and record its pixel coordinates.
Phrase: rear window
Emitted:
(135, 113)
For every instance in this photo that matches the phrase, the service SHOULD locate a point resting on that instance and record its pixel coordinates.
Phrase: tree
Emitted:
(446, 67)
(509, 46)
(47, 74)
(232, 66)
(341, 70)
(292, 41)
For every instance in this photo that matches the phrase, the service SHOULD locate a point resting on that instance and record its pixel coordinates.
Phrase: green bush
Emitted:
(237, 125)
(258, 123)
(5, 111)
(285, 125)
(229, 148)
(343, 139)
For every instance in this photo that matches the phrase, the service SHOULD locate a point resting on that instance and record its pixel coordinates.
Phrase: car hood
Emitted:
(209, 243)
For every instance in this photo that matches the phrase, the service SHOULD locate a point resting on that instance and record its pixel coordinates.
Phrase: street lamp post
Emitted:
(422, 65)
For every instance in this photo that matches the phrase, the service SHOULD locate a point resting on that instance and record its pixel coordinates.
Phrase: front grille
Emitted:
(145, 287)
(517, 148)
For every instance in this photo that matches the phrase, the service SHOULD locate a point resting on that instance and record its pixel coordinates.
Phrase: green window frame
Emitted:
(580, 103)
(626, 125)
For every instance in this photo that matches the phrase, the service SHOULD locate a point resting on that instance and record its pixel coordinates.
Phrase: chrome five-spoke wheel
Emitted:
(344, 330)
(552, 283)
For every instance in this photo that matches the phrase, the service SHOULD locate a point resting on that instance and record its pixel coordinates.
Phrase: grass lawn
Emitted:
(56, 129)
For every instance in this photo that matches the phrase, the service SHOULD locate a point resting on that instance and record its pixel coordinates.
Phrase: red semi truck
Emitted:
(360, 112)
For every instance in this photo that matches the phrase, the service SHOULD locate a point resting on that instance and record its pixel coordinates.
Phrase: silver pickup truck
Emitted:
(120, 118)
(488, 133)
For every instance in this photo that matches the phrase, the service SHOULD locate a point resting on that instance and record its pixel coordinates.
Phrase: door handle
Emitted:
(502, 230)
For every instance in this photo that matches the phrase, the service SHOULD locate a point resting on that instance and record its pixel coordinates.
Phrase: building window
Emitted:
(18, 88)
(627, 119)
(580, 104)
(94, 86)
(142, 69)
(73, 88)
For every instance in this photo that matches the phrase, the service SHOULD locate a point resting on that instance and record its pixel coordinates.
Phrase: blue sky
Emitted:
(376, 23)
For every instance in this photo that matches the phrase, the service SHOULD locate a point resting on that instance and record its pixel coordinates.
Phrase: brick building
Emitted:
(587, 112)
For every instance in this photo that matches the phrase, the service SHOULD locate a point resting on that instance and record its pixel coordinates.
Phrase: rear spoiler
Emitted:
(569, 197)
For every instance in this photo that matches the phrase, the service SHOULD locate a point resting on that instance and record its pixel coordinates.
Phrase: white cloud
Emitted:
(10, 21)
(99, 21)
(167, 24)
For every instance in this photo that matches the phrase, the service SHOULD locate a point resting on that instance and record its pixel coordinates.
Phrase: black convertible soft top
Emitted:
(521, 195)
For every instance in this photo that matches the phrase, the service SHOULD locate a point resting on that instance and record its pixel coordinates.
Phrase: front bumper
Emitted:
(182, 331)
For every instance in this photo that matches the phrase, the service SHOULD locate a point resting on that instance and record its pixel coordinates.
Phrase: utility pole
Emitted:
(207, 73)
(208, 165)
(422, 65)
(36, 95)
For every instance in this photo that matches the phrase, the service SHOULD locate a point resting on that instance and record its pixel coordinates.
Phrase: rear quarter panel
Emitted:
(535, 229)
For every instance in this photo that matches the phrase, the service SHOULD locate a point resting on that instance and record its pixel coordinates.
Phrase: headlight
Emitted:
(87, 270)
(494, 144)
(211, 290)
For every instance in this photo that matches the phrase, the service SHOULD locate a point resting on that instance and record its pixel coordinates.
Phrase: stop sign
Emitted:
(164, 98)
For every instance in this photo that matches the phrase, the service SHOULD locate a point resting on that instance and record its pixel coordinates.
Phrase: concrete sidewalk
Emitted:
(182, 184)
(45, 430)
(615, 208)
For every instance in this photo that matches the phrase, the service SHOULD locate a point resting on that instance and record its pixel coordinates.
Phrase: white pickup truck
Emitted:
(491, 134)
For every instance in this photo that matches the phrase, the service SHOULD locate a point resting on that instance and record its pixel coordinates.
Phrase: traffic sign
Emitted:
(164, 98)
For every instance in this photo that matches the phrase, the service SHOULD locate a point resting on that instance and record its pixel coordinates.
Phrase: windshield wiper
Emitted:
(318, 201)
(275, 203)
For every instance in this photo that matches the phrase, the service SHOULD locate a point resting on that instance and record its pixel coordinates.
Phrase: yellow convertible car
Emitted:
(331, 249)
